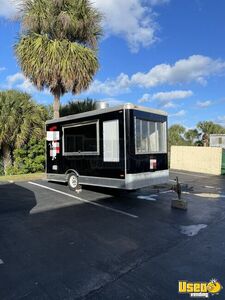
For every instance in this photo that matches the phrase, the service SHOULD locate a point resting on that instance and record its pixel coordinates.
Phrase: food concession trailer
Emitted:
(123, 147)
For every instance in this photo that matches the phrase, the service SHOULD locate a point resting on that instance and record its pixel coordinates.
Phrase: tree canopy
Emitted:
(192, 136)
(199, 136)
(76, 107)
(74, 20)
(207, 128)
(57, 49)
(176, 135)
(21, 118)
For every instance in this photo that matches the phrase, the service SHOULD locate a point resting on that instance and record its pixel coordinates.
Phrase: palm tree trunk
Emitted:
(7, 159)
(56, 105)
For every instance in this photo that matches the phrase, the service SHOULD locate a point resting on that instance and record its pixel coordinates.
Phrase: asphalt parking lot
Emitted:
(103, 244)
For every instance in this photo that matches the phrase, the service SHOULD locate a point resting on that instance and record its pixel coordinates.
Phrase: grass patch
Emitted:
(23, 177)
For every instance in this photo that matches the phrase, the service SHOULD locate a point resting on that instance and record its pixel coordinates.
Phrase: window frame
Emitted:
(90, 153)
(135, 137)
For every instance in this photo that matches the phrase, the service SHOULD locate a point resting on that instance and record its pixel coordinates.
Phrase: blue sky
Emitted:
(166, 54)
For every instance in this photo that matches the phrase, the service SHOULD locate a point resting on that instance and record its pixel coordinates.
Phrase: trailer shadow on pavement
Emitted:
(55, 244)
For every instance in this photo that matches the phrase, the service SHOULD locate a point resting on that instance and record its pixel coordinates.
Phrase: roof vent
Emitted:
(102, 104)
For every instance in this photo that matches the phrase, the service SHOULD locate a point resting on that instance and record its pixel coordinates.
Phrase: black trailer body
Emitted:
(123, 147)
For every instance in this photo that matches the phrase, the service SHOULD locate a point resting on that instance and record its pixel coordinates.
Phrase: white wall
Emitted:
(196, 159)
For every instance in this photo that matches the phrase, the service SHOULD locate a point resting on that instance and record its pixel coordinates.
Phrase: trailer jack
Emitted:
(78, 190)
(178, 203)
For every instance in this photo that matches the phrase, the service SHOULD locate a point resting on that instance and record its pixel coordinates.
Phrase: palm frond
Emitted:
(77, 106)
(58, 65)
(76, 20)
(21, 118)
(58, 46)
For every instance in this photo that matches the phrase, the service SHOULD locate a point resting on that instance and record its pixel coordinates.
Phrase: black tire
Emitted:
(73, 182)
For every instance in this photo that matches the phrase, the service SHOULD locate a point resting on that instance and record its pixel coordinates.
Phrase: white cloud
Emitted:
(9, 8)
(180, 113)
(12, 79)
(26, 86)
(2, 69)
(172, 95)
(169, 105)
(113, 102)
(204, 104)
(158, 2)
(145, 98)
(19, 81)
(111, 87)
(165, 98)
(130, 19)
(196, 68)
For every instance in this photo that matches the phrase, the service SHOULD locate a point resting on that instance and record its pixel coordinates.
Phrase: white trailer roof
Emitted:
(106, 110)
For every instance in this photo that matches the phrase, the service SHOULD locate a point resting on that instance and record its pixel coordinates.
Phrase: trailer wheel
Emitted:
(73, 181)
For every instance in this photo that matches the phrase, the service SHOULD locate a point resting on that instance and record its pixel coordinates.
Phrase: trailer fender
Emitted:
(68, 172)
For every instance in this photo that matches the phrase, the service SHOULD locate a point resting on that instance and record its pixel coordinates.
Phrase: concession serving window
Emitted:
(150, 137)
(81, 139)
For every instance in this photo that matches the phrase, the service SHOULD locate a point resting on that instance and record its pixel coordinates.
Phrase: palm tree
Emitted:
(58, 46)
(76, 107)
(20, 118)
(192, 135)
(176, 135)
(207, 128)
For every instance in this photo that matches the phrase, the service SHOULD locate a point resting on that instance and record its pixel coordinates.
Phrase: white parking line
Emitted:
(83, 200)
(148, 197)
(1, 262)
(165, 192)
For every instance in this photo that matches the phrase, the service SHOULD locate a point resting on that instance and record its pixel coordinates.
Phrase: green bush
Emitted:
(28, 159)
